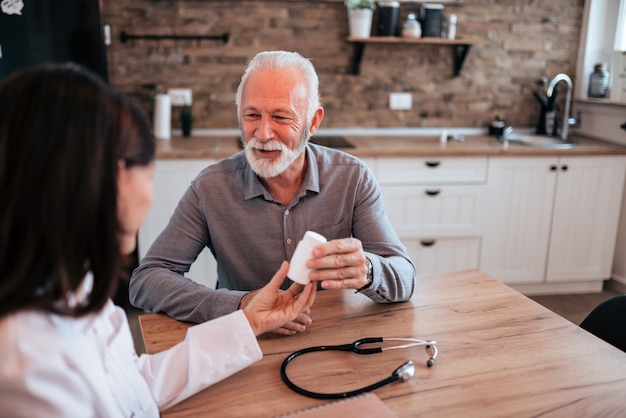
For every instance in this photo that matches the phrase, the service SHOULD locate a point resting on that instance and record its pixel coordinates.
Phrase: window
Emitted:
(603, 39)
(620, 37)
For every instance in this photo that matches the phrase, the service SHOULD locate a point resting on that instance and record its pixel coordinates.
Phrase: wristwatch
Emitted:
(370, 274)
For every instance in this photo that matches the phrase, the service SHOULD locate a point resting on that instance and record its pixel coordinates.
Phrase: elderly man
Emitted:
(251, 209)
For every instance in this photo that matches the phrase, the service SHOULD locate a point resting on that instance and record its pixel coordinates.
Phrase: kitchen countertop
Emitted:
(367, 146)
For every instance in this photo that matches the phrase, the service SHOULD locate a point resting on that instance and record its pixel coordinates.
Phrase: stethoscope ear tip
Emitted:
(430, 362)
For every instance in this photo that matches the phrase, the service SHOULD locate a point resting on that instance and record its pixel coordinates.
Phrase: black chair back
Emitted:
(608, 321)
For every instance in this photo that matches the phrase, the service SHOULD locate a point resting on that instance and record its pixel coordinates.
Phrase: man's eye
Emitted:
(250, 116)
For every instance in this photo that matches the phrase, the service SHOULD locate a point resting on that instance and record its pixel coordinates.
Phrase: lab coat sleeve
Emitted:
(210, 352)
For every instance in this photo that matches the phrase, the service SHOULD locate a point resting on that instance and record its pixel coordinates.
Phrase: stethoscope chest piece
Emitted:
(406, 371)
(402, 373)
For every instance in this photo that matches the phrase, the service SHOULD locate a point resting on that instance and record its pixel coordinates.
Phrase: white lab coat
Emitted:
(54, 366)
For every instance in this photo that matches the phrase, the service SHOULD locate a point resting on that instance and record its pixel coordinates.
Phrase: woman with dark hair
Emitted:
(76, 164)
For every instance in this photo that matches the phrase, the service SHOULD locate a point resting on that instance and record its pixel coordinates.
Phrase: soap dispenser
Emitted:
(496, 128)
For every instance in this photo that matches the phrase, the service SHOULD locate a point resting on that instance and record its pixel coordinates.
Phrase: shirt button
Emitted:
(287, 212)
(288, 241)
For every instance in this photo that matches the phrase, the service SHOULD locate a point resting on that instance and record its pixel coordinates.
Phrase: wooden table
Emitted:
(500, 354)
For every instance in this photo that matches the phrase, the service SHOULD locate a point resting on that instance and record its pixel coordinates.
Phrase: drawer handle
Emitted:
(427, 243)
(432, 192)
(433, 164)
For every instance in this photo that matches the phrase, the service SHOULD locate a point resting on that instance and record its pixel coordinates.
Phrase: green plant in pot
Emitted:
(186, 120)
(360, 4)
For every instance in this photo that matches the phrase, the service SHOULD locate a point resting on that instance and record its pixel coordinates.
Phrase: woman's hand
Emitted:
(282, 311)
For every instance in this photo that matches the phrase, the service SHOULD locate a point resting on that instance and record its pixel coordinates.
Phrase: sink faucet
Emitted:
(568, 100)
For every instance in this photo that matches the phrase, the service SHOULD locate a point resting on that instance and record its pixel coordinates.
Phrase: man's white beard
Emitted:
(267, 167)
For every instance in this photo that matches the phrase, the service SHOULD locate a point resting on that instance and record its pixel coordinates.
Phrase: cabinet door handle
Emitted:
(427, 243)
(432, 192)
(433, 164)
(553, 167)
(564, 168)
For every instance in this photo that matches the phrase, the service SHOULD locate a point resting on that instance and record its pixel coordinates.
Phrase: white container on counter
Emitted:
(162, 118)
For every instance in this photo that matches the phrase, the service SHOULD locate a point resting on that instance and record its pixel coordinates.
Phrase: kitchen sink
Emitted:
(539, 141)
(330, 141)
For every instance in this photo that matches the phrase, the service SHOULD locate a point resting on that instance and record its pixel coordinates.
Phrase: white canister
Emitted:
(162, 117)
(452, 27)
(298, 271)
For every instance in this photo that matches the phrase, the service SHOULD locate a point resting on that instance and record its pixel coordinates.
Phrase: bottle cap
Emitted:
(313, 238)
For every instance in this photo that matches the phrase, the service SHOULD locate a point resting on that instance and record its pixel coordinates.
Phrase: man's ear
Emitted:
(317, 120)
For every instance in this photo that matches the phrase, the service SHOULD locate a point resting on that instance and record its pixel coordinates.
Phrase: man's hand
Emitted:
(339, 264)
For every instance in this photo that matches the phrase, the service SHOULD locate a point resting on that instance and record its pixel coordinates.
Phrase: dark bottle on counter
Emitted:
(598, 81)
(496, 128)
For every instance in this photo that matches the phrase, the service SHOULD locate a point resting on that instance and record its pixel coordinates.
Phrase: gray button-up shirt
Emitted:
(250, 234)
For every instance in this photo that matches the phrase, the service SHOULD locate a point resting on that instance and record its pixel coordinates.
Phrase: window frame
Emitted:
(603, 31)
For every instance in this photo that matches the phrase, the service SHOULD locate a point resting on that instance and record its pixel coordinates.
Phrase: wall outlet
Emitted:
(180, 97)
(400, 101)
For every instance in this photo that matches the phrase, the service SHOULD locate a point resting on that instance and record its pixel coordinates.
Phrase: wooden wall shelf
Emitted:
(460, 46)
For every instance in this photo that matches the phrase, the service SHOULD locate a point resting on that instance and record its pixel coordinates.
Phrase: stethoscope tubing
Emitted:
(355, 348)
(318, 395)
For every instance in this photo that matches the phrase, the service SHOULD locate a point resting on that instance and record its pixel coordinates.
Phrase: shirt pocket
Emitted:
(340, 229)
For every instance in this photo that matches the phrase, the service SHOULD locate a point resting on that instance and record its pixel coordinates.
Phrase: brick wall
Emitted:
(524, 40)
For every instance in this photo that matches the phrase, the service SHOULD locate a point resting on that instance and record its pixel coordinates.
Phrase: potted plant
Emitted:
(360, 14)
(186, 120)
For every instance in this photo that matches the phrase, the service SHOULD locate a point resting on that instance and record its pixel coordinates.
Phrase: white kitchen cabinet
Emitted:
(550, 223)
(434, 206)
(440, 255)
(431, 170)
(171, 179)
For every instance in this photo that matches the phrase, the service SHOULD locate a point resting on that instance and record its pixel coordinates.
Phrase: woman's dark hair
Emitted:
(63, 132)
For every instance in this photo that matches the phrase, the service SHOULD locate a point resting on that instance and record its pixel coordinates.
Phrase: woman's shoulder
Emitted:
(30, 332)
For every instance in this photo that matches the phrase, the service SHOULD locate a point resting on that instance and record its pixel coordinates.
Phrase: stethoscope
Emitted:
(402, 373)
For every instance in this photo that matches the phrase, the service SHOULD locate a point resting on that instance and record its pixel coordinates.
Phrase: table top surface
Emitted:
(500, 354)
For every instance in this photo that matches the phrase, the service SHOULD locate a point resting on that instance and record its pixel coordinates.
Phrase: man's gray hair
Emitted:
(280, 60)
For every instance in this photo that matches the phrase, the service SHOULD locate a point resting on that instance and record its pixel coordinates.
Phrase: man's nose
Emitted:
(264, 131)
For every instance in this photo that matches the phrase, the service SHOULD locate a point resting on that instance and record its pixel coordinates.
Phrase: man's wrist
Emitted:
(369, 275)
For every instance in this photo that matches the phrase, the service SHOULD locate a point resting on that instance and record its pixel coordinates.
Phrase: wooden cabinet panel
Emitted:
(436, 210)
(434, 256)
(516, 218)
(435, 170)
(584, 223)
